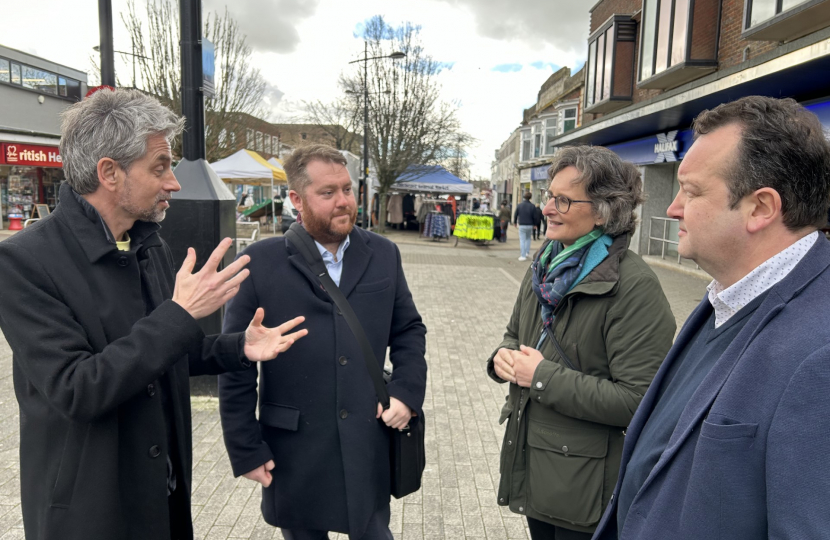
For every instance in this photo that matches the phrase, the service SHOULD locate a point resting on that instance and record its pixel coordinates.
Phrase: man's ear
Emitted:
(109, 173)
(763, 210)
(296, 200)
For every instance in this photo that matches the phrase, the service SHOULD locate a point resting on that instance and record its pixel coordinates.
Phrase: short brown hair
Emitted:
(783, 147)
(295, 165)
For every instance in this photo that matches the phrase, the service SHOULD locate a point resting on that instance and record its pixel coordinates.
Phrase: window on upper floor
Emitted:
(784, 20)
(223, 138)
(249, 139)
(267, 143)
(526, 145)
(259, 141)
(5, 71)
(610, 66)
(551, 131)
(537, 140)
(568, 119)
(678, 41)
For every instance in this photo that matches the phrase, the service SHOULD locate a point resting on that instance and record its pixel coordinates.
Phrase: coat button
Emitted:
(501, 500)
(521, 509)
(343, 361)
(565, 449)
(344, 413)
(339, 312)
(151, 390)
(509, 443)
(155, 451)
(539, 385)
(123, 261)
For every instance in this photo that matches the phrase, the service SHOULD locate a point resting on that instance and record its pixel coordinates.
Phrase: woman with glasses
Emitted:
(590, 327)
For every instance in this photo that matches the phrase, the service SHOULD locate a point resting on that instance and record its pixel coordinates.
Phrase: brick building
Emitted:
(653, 65)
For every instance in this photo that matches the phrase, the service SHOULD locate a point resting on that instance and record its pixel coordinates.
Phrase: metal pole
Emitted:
(105, 31)
(132, 40)
(365, 135)
(193, 103)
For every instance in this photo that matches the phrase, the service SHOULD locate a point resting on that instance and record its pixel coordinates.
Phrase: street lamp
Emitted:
(133, 54)
(364, 182)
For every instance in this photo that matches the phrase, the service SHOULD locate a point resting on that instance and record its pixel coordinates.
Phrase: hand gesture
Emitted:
(503, 365)
(397, 415)
(261, 474)
(525, 362)
(207, 290)
(263, 343)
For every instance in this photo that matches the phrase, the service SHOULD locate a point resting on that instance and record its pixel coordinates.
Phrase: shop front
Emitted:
(29, 178)
(539, 181)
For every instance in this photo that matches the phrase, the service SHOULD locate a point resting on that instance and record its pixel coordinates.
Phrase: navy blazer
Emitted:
(317, 404)
(760, 467)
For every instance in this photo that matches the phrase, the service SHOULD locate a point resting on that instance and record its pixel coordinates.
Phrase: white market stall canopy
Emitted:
(430, 179)
(248, 167)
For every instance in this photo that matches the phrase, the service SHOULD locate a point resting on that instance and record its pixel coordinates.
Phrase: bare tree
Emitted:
(239, 88)
(409, 124)
(340, 119)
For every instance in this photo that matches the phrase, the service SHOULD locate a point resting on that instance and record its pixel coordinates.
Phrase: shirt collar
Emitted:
(327, 255)
(730, 300)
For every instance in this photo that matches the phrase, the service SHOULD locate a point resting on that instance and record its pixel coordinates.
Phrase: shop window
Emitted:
(42, 81)
(678, 41)
(568, 119)
(5, 71)
(784, 20)
(611, 51)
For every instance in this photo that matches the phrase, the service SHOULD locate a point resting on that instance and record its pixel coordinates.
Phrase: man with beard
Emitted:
(320, 447)
(104, 334)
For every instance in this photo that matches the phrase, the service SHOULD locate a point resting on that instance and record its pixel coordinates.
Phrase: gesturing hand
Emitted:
(503, 365)
(261, 474)
(207, 290)
(397, 415)
(263, 343)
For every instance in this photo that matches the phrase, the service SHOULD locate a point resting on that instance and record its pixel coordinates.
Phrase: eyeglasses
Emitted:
(562, 203)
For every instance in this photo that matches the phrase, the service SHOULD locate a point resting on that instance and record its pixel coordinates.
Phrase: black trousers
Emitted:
(378, 529)
(539, 530)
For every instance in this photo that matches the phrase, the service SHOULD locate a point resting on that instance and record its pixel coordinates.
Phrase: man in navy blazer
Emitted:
(320, 447)
(731, 439)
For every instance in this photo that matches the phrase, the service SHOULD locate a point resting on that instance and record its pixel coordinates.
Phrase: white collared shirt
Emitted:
(334, 262)
(727, 302)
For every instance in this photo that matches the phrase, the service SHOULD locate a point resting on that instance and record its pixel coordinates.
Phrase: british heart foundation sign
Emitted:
(30, 155)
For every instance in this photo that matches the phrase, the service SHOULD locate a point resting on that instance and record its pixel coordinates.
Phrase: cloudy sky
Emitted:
(500, 51)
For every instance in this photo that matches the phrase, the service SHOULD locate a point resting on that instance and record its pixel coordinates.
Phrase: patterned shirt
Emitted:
(729, 301)
(334, 262)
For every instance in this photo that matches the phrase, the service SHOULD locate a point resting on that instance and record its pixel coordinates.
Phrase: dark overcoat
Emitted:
(748, 458)
(90, 367)
(317, 404)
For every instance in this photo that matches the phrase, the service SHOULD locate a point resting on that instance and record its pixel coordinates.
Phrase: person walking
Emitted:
(524, 219)
(504, 221)
(104, 334)
(538, 218)
(587, 334)
(731, 439)
(320, 443)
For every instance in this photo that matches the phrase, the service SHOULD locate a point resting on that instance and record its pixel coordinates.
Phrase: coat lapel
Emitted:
(355, 260)
(297, 260)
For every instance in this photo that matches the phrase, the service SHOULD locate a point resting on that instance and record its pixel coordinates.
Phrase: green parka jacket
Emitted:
(563, 444)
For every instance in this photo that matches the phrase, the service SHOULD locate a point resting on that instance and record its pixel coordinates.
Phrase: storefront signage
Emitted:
(666, 147)
(539, 173)
(30, 155)
(208, 68)
(524, 175)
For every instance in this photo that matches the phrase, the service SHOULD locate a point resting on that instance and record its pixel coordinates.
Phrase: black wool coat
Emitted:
(90, 368)
(317, 404)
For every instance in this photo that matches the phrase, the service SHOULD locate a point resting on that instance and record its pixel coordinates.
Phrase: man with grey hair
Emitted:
(320, 446)
(104, 334)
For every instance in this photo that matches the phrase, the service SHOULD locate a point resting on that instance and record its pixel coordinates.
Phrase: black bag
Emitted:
(407, 456)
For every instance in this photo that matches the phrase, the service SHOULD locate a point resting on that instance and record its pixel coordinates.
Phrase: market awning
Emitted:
(430, 179)
(248, 167)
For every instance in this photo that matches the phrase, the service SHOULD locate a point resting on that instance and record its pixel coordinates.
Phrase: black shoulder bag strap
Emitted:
(300, 239)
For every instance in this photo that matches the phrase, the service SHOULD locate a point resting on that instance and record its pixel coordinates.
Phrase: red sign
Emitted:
(30, 155)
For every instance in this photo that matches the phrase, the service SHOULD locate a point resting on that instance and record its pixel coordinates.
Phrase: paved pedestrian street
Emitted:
(465, 295)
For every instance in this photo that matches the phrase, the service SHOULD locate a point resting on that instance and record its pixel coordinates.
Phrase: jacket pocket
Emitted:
(73, 449)
(279, 416)
(373, 287)
(566, 472)
(722, 428)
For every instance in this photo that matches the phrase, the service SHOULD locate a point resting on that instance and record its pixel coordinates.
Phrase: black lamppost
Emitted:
(364, 181)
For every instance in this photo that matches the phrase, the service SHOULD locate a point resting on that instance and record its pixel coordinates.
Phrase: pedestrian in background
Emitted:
(731, 439)
(320, 443)
(588, 332)
(524, 219)
(538, 218)
(504, 221)
(104, 335)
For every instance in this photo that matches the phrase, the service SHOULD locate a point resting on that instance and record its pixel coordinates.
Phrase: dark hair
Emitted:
(527, 196)
(613, 185)
(295, 165)
(783, 147)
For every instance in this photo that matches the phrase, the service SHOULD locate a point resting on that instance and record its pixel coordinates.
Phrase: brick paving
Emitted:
(465, 295)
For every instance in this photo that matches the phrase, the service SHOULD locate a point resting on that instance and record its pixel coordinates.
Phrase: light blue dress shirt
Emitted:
(334, 263)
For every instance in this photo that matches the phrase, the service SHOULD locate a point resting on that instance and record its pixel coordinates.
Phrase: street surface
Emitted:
(465, 295)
